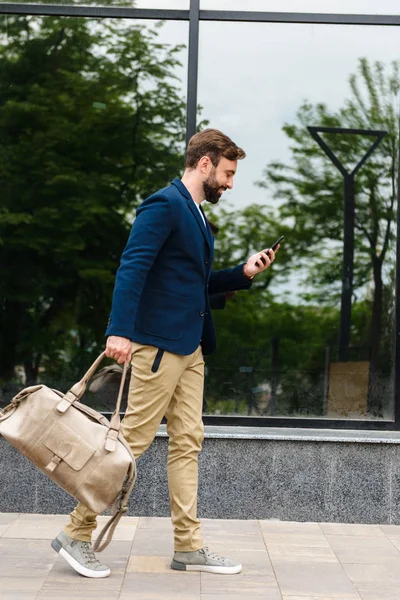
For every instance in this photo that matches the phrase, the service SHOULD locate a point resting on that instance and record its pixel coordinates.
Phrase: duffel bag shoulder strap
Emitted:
(119, 508)
(120, 505)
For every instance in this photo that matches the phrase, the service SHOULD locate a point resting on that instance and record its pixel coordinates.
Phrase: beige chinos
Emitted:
(175, 390)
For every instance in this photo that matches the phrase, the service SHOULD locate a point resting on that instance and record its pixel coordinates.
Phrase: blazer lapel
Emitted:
(210, 235)
(205, 229)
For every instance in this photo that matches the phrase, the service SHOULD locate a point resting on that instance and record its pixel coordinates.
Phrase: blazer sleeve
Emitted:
(217, 301)
(228, 280)
(152, 226)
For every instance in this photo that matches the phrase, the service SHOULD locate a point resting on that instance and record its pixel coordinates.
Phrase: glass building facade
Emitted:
(97, 102)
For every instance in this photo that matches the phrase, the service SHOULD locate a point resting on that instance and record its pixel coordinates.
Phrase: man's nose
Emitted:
(229, 184)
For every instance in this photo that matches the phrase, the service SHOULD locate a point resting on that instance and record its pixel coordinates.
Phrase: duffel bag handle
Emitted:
(8, 410)
(79, 388)
(77, 391)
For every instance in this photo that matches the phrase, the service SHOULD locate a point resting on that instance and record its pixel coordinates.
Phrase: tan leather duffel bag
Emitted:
(74, 445)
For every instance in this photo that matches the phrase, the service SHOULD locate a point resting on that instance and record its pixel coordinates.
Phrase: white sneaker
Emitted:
(204, 560)
(80, 556)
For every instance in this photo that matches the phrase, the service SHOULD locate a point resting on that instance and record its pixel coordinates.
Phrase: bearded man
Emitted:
(161, 321)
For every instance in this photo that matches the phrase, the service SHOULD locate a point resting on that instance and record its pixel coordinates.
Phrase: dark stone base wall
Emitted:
(243, 479)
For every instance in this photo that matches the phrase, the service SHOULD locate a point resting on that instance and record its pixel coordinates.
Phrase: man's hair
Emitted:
(215, 145)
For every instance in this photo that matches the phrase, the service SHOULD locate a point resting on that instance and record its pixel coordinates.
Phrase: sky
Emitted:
(320, 6)
(317, 6)
(254, 76)
(264, 73)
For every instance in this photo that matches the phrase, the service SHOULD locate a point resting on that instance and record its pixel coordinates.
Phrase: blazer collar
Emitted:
(181, 187)
(205, 229)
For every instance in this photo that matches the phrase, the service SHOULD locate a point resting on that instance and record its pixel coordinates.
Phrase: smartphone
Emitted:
(278, 241)
(273, 247)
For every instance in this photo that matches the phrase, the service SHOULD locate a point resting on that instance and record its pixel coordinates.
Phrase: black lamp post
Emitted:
(349, 216)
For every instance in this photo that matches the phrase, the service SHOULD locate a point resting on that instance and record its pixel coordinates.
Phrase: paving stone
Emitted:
(378, 591)
(320, 597)
(8, 518)
(155, 523)
(149, 542)
(82, 586)
(235, 541)
(313, 579)
(3, 529)
(158, 586)
(25, 558)
(390, 529)
(20, 586)
(49, 593)
(289, 539)
(360, 549)
(125, 531)
(287, 527)
(46, 527)
(382, 574)
(352, 529)
(267, 594)
(239, 585)
(40, 527)
(10, 595)
(254, 562)
(231, 526)
(153, 564)
(301, 554)
(394, 540)
(281, 561)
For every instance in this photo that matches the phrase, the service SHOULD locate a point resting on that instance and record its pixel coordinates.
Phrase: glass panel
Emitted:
(315, 335)
(363, 7)
(92, 121)
(164, 4)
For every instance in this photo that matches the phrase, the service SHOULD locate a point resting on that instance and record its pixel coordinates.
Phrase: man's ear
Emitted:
(205, 164)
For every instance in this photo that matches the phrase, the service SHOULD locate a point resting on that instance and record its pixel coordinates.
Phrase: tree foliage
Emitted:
(309, 193)
(92, 120)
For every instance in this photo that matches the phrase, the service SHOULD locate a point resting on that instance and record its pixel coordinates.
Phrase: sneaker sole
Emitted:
(78, 567)
(206, 568)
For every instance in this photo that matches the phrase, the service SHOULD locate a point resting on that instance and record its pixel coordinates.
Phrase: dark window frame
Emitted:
(194, 16)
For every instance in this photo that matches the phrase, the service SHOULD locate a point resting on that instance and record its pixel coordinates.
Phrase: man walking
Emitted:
(161, 321)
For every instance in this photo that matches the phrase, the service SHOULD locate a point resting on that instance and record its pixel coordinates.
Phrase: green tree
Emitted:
(310, 190)
(284, 343)
(92, 120)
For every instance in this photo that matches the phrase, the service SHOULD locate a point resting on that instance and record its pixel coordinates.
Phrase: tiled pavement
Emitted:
(282, 561)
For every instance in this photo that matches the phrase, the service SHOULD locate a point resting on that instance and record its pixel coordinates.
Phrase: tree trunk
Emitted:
(274, 373)
(31, 367)
(7, 361)
(10, 316)
(374, 396)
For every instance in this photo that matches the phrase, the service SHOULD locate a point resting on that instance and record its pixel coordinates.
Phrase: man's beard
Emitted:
(211, 189)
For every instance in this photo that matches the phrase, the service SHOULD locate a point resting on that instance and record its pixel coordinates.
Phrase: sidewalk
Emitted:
(281, 561)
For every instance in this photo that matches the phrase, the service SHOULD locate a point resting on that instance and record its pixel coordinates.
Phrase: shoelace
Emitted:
(88, 553)
(213, 555)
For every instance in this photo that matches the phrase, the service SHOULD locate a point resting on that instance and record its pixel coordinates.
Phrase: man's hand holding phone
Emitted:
(257, 263)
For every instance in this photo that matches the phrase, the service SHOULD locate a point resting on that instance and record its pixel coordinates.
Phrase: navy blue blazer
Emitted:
(164, 278)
